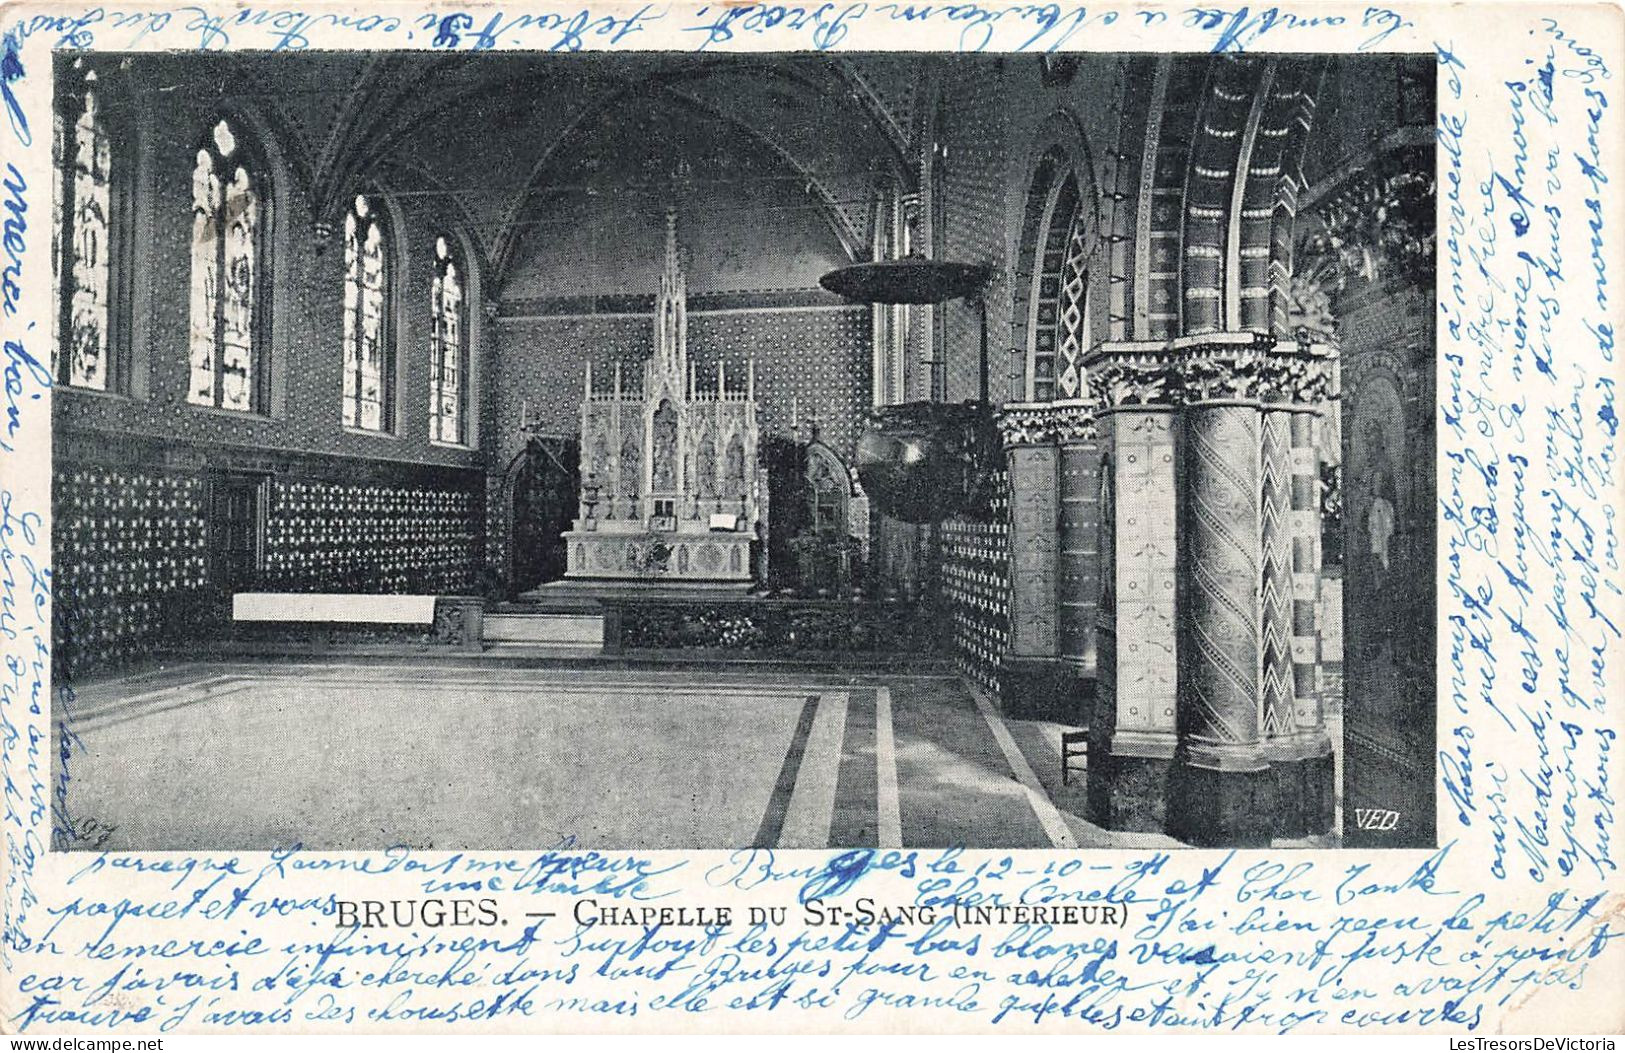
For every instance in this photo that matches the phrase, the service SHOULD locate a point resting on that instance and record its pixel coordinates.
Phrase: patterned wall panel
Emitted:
(975, 213)
(1389, 548)
(976, 588)
(809, 361)
(131, 536)
(372, 538)
(1139, 615)
(1078, 562)
(127, 544)
(1033, 543)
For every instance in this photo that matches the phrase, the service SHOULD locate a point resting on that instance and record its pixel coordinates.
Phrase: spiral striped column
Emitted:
(1223, 790)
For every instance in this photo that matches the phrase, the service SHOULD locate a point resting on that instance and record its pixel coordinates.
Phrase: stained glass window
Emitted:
(83, 349)
(226, 221)
(448, 353)
(367, 366)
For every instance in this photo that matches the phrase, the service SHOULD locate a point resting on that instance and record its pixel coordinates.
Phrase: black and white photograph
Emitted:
(636, 451)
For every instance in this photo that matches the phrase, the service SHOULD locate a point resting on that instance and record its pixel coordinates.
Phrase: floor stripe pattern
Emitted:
(861, 761)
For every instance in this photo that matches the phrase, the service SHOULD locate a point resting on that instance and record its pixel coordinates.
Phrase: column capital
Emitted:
(1210, 367)
(1124, 373)
(1047, 423)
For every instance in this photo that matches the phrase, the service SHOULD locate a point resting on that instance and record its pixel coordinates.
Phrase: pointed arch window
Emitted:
(448, 350)
(89, 240)
(228, 215)
(369, 366)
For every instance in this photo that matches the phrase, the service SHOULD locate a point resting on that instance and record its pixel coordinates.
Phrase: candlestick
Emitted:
(589, 381)
(750, 379)
(722, 380)
(524, 414)
(795, 418)
(617, 382)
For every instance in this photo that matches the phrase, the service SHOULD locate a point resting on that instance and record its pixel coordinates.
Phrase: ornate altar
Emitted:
(670, 486)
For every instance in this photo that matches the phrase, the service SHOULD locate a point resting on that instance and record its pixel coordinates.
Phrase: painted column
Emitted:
(1133, 725)
(1078, 565)
(1277, 537)
(1224, 789)
(1255, 762)
(1279, 645)
(1306, 775)
(1031, 678)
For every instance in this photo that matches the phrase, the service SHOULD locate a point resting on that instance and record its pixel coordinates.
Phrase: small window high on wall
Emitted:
(369, 367)
(227, 275)
(448, 351)
(86, 351)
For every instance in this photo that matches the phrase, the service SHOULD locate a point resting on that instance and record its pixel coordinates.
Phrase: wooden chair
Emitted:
(1074, 747)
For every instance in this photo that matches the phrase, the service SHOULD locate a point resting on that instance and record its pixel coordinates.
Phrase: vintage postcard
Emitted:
(841, 517)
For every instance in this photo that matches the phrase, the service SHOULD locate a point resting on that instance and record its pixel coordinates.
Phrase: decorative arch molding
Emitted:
(1205, 233)
(1217, 162)
(1061, 134)
(1060, 243)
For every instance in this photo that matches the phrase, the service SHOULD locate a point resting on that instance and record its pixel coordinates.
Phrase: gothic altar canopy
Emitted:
(670, 485)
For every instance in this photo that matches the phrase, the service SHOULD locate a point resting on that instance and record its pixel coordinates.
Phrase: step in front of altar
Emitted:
(563, 630)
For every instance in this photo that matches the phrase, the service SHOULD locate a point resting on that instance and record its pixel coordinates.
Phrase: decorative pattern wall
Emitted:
(974, 213)
(128, 550)
(976, 588)
(130, 536)
(809, 361)
(1389, 546)
(370, 538)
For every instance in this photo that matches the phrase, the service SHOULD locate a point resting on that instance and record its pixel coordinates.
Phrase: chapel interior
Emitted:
(656, 450)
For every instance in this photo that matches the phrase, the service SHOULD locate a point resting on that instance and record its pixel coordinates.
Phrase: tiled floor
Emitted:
(364, 756)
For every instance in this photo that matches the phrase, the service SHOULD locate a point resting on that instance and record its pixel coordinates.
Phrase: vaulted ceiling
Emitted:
(489, 132)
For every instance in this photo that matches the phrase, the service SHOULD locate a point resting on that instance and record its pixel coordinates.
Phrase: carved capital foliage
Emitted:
(1300, 375)
(1074, 421)
(1261, 371)
(1130, 380)
(1047, 423)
